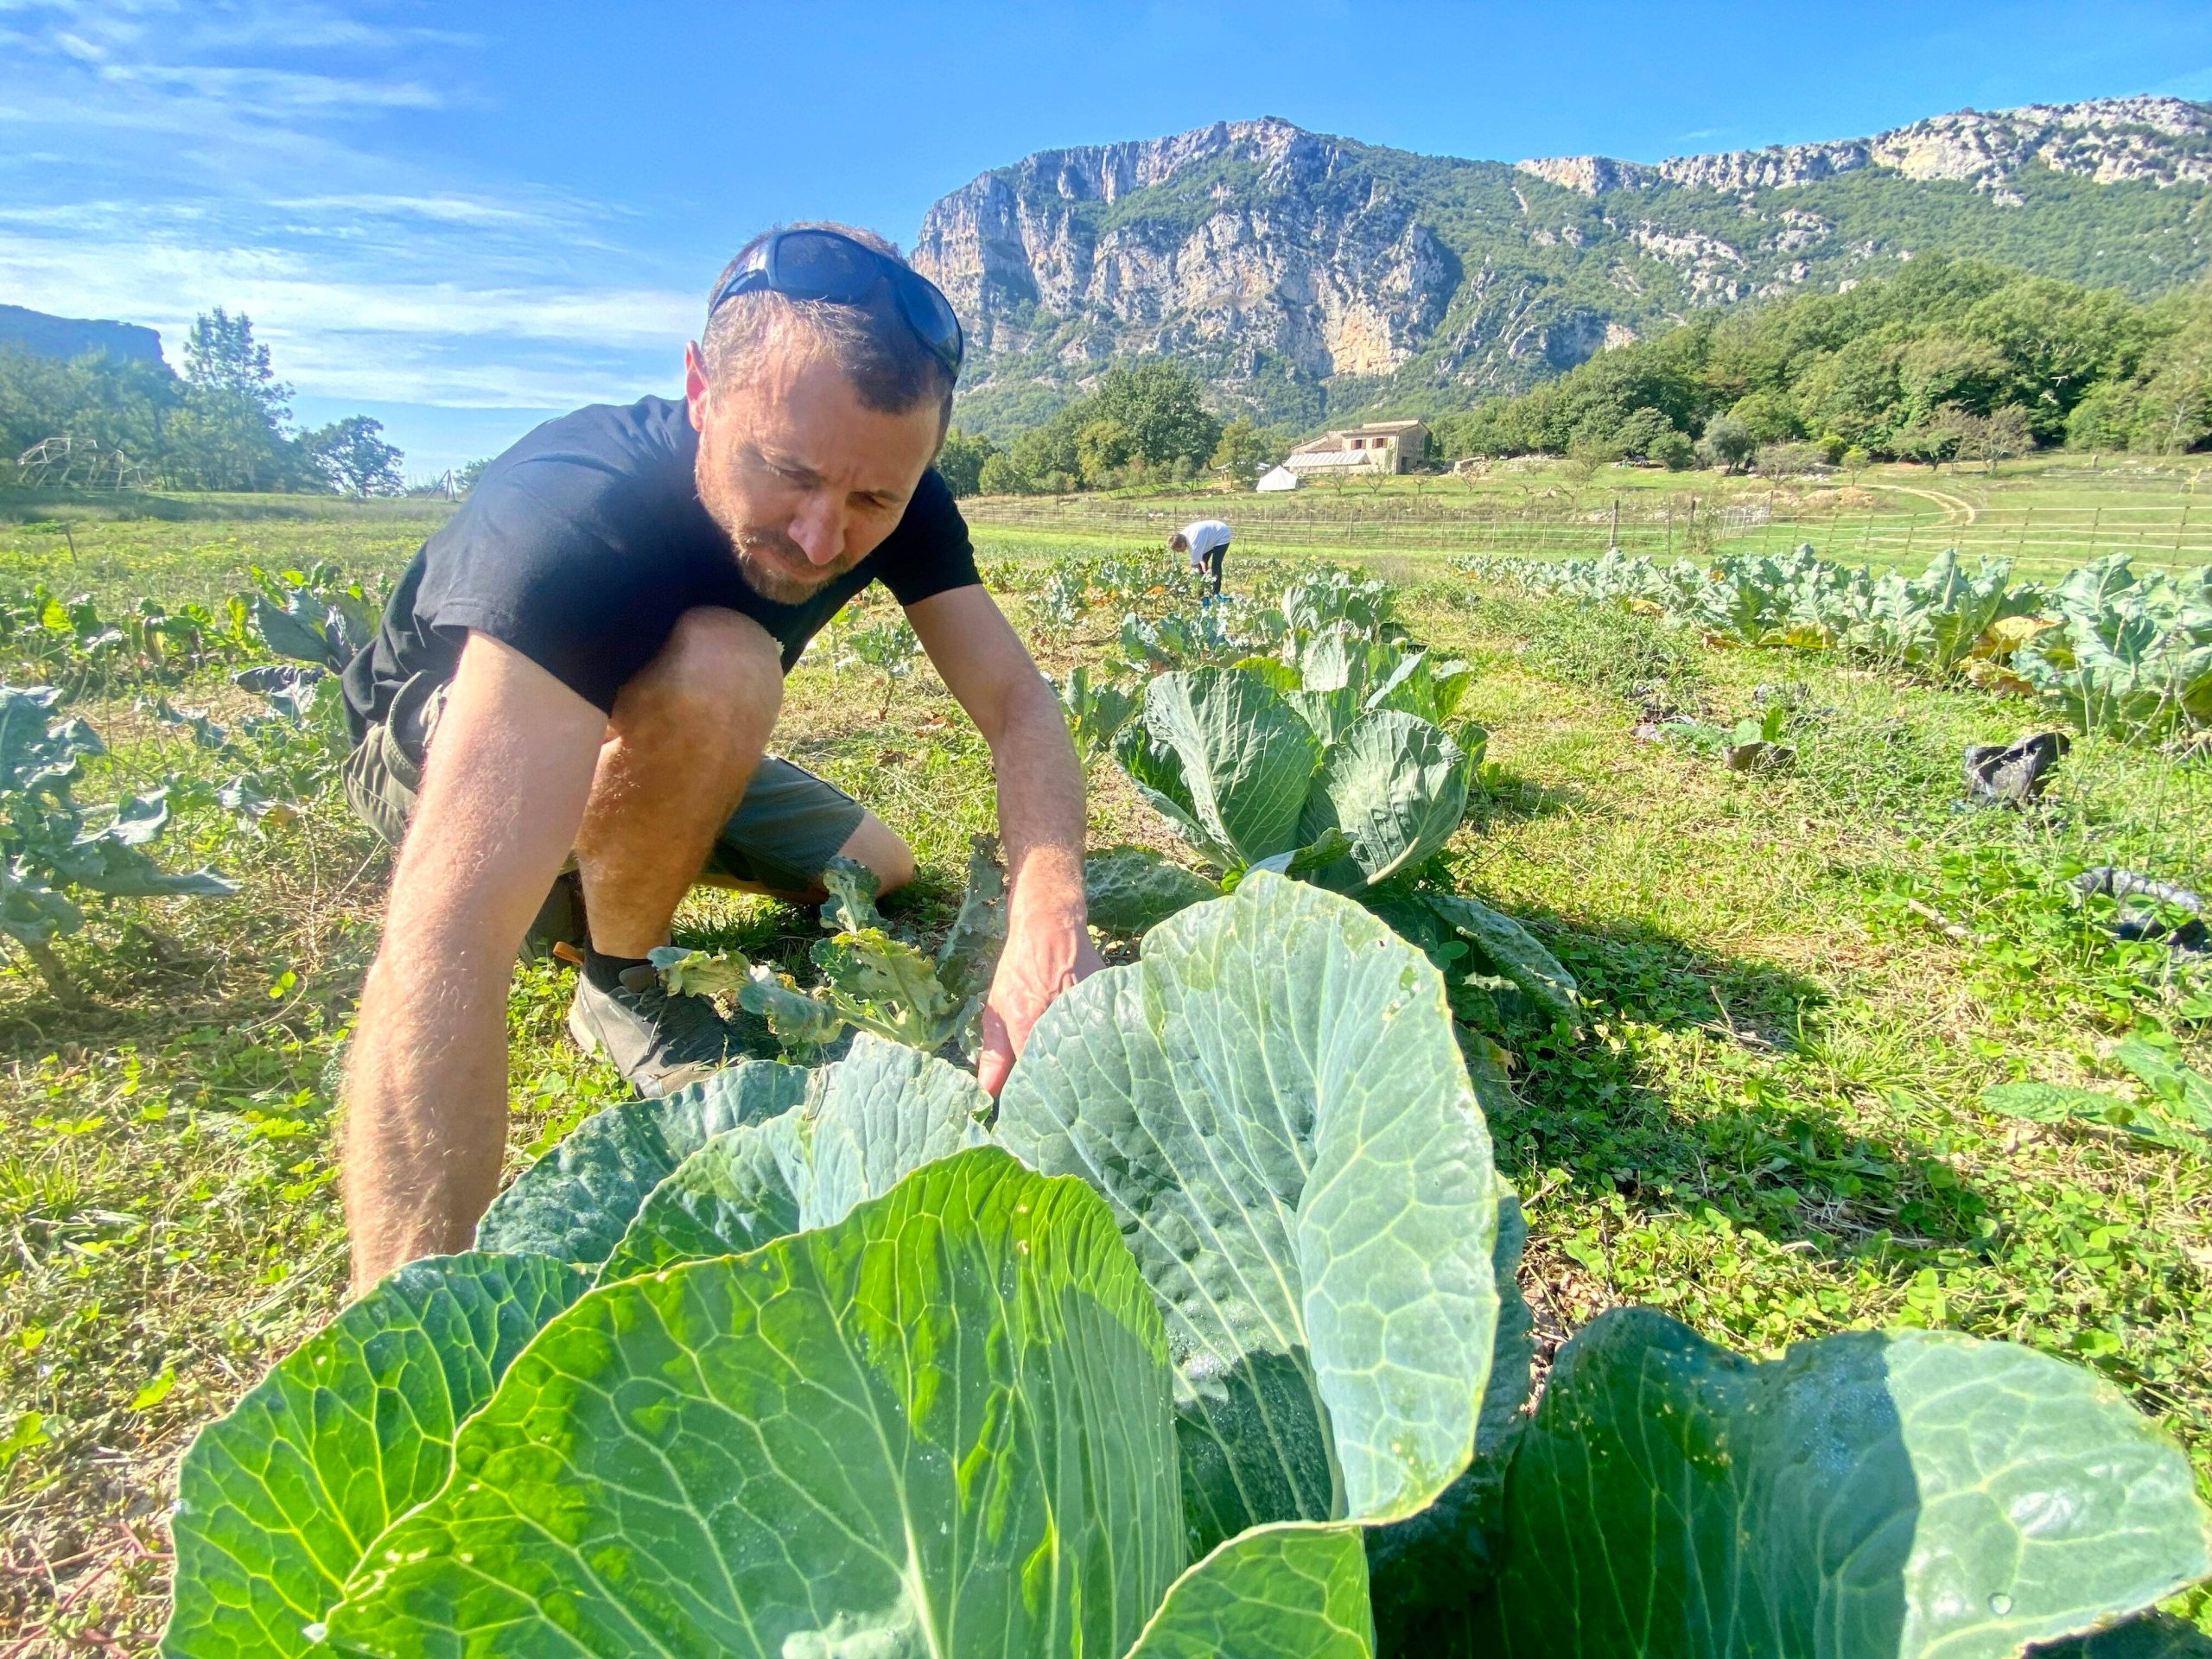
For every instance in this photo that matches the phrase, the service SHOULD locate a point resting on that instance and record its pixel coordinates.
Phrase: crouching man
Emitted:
(582, 670)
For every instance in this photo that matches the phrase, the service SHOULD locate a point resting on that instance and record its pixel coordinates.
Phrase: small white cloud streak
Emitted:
(264, 95)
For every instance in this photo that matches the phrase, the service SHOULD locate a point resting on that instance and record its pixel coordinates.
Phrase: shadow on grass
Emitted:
(1742, 1126)
(1506, 797)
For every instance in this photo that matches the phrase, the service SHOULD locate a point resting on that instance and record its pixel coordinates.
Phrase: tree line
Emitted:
(1947, 359)
(1146, 423)
(224, 425)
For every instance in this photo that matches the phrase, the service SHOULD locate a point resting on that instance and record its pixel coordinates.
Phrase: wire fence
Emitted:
(1897, 526)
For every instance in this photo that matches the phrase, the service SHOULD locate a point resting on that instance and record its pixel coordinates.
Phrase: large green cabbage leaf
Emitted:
(1865, 1497)
(1244, 762)
(1133, 889)
(1396, 786)
(278, 1501)
(1290, 1591)
(941, 1425)
(1432, 1561)
(575, 1202)
(1274, 1104)
(868, 1122)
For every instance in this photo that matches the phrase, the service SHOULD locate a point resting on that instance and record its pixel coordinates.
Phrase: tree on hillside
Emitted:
(961, 460)
(1001, 474)
(1728, 443)
(1930, 441)
(352, 456)
(1645, 430)
(1241, 453)
(221, 355)
(1103, 448)
(1999, 436)
(1157, 402)
(1770, 414)
(1674, 450)
(230, 433)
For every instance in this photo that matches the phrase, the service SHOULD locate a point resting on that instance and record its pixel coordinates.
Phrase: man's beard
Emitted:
(774, 567)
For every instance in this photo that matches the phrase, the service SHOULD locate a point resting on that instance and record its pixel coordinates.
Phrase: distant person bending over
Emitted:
(582, 668)
(1207, 543)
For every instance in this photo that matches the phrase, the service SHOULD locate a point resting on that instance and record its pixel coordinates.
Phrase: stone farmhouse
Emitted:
(1377, 447)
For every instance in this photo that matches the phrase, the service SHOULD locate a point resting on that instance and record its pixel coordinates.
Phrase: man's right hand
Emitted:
(426, 1094)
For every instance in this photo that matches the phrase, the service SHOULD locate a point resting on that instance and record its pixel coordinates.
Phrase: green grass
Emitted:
(1772, 1128)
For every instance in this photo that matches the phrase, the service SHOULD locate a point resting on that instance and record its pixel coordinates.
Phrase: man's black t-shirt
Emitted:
(581, 547)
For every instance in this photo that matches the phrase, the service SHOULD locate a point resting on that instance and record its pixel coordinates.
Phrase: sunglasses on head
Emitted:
(825, 265)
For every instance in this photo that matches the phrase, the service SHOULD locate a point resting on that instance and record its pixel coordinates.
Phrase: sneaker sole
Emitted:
(585, 1037)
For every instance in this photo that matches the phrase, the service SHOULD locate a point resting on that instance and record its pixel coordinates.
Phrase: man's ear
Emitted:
(696, 388)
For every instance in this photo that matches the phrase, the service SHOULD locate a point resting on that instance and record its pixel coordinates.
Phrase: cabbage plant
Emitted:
(51, 844)
(2132, 655)
(1313, 764)
(1208, 1344)
(1328, 779)
(873, 976)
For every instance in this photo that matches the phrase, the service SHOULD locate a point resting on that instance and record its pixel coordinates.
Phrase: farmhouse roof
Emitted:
(1338, 437)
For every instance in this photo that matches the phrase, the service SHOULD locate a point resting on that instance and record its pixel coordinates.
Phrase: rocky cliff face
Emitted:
(1302, 275)
(2163, 140)
(1275, 262)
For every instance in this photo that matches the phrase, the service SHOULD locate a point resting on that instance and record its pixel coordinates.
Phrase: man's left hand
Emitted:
(1040, 961)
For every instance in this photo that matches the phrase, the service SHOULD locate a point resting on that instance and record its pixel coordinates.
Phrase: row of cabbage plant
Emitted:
(2110, 649)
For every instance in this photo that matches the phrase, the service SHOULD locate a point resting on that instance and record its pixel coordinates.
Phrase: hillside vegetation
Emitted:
(1947, 358)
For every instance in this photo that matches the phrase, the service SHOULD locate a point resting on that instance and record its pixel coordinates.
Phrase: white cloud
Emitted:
(265, 95)
(190, 156)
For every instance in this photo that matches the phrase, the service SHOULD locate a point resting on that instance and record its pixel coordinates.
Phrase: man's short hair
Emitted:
(1179, 543)
(871, 342)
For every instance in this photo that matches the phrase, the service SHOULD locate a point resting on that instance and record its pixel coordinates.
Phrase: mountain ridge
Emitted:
(1303, 276)
(44, 334)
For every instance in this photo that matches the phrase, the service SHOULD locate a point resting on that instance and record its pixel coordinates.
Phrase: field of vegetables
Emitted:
(1669, 895)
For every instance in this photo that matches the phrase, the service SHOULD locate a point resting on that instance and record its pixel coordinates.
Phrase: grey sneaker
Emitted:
(657, 1041)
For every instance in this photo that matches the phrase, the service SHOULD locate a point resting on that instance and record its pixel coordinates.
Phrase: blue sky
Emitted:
(462, 218)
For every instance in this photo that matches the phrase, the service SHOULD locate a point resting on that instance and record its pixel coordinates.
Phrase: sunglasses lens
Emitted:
(930, 315)
(813, 265)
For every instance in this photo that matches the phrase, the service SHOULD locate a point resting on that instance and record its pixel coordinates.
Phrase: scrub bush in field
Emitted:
(51, 846)
(1206, 1342)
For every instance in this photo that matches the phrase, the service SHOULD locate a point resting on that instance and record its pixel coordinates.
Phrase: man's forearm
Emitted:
(426, 1105)
(1040, 814)
(426, 1093)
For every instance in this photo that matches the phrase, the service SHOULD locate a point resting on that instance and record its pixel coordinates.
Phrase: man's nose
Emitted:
(819, 530)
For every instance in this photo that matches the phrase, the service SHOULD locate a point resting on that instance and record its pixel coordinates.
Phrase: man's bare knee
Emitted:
(716, 664)
(876, 845)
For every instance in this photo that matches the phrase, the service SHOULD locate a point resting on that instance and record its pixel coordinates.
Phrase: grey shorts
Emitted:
(783, 835)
